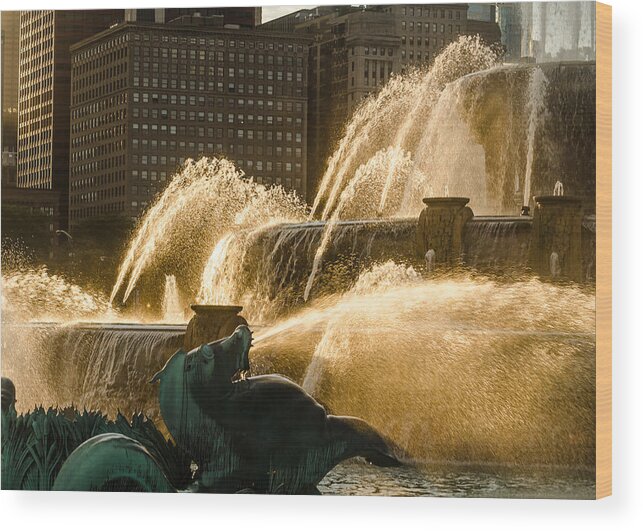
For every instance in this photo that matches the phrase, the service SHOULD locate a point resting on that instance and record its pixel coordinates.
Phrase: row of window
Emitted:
(40, 180)
(82, 65)
(418, 56)
(35, 121)
(432, 42)
(36, 27)
(219, 42)
(36, 82)
(220, 86)
(220, 72)
(41, 60)
(100, 48)
(201, 116)
(181, 99)
(417, 11)
(109, 208)
(92, 123)
(97, 195)
(36, 165)
(182, 56)
(434, 29)
(212, 148)
(95, 92)
(94, 138)
(208, 148)
(100, 105)
(96, 180)
(93, 77)
(193, 131)
(96, 166)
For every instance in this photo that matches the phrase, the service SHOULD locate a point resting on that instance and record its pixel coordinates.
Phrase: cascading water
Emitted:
(424, 130)
(536, 105)
(172, 307)
(91, 366)
(498, 243)
(359, 200)
(397, 120)
(266, 271)
(203, 203)
(429, 258)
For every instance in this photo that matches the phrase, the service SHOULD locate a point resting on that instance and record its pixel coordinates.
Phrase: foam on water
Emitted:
(38, 295)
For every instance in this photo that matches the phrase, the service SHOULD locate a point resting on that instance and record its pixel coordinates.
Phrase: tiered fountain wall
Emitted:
(554, 104)
(506, 366)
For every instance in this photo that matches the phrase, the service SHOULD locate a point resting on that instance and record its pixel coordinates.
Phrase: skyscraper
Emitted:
(10, 34)
(44, 94)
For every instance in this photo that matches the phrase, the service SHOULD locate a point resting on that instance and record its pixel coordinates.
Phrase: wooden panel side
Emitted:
(603, 250)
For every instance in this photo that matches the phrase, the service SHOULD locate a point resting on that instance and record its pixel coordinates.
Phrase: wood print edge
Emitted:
(603, 250)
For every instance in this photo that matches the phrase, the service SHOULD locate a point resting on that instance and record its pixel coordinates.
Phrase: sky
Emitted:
(270, 12)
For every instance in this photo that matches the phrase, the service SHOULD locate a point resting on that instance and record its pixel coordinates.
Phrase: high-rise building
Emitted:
(527, 36)
(481, 21)
(483, 12)
(10, 21)
(242, 16)
(44, 94)
(354, 53)
(145, 97)
(29, 217)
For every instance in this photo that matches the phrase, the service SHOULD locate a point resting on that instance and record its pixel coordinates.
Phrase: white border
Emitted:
(52, 511)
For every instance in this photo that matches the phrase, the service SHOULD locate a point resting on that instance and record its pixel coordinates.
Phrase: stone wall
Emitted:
(556, 237)
(441, 228)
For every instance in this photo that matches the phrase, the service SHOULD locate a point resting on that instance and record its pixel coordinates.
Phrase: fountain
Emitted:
(429, 257)
(559, 190)
(554, 265)
(171, 308)
(484, 361)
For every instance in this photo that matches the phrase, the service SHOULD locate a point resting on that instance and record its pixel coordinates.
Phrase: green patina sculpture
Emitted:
(263, 432)
(258, 434)
(37, 446)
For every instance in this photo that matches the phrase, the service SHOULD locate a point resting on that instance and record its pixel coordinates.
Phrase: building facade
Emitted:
(9, 63)
(44, 94)
(525, 35)
(242, 16)
(146, 97)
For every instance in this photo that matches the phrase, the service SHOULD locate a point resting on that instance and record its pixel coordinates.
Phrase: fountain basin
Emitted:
(446, 201)
(557, 200)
